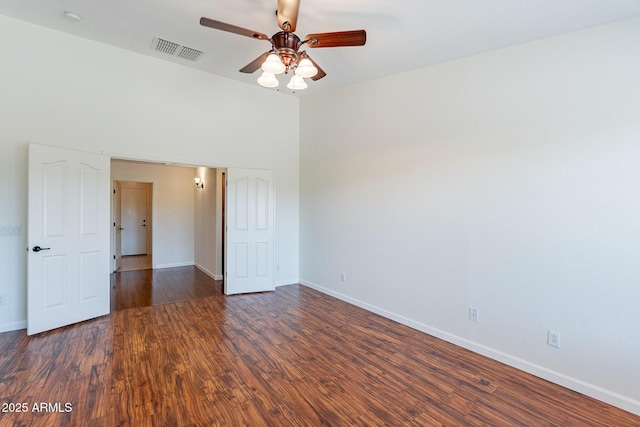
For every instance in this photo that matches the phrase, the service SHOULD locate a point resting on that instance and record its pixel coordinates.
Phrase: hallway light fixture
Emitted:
(199, 182)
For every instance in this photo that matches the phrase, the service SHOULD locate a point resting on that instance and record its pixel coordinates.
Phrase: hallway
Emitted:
(145, 288)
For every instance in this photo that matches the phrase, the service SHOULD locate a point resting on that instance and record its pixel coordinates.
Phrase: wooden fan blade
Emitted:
(211, 23)
(337, 39)
(320, 74)
(288, 12)
(255, 64)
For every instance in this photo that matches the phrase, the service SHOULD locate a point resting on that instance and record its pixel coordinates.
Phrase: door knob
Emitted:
(38, 249)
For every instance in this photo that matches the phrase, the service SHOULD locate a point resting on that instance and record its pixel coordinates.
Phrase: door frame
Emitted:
(219, 273)
(151, 211)
(148, 189)
(220, 168)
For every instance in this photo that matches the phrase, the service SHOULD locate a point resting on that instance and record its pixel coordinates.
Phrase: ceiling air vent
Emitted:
(174, 49)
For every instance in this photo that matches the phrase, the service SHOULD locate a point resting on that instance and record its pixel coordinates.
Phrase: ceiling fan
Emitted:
(285, 54)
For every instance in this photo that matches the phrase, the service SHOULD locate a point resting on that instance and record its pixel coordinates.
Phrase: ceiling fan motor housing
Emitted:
(286, 46)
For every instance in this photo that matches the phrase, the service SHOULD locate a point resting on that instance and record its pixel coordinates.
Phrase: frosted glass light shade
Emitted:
(297, 83)
(306, 69)
(273, 64)
(268, 80)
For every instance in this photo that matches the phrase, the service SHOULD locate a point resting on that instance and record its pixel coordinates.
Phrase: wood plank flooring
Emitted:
(135, 262)
(289, 357)
(143, 288)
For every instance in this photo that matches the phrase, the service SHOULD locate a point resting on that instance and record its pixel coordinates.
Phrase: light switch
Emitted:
(10, 230)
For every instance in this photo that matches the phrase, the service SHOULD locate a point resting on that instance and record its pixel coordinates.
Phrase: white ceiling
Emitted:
(401, 35)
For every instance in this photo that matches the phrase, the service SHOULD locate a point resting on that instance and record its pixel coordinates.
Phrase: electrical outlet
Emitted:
(343, 277)
(553, 338)
(473, 314)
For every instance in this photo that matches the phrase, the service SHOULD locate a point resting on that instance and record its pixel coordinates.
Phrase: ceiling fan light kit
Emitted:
(285, 54)
(297, 83)
(306, 69)
(273, 65)
(268, 80)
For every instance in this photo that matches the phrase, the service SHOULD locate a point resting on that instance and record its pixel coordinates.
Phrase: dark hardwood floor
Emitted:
(143, 288)
(290, 357)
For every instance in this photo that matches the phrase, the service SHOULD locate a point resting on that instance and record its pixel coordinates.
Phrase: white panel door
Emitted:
(249, 238)
(68, 261)
(134, 221)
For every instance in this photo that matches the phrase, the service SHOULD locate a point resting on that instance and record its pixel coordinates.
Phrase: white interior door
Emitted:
(250, 234)
(68, 236)
(134, 221)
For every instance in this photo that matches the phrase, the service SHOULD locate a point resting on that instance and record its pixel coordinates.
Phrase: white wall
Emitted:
(508, 181)
(173, 228)
(207, 211)
(65, 91)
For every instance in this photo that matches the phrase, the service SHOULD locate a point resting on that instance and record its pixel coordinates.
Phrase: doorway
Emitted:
(174, 211)
(133, 222)
(186, 223)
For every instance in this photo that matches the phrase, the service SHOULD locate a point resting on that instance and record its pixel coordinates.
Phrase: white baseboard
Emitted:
(209, 273)
(287, 282)
(172, 265)
(14, 326)
(571, 383)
